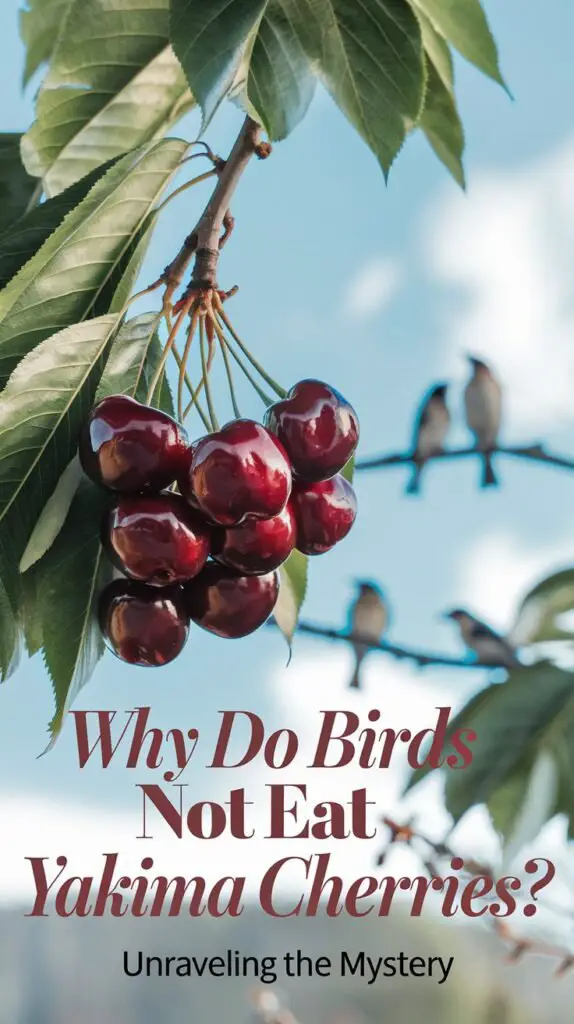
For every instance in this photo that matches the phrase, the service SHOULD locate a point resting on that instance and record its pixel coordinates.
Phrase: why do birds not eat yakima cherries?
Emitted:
(249, 495)
(318, 428)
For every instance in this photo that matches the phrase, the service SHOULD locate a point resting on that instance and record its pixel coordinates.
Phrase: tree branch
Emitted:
(215, 224)
(209, 229)
(421, 658)
(530, 453)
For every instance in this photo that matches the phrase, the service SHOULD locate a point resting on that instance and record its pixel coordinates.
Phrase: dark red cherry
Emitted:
(258, 545)
(325, 512)
(229, 605)
(130, 447)
(239, 471)
(317, 427)
(143, 625)
(156, 538)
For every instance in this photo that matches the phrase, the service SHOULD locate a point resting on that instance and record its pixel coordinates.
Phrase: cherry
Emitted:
(239, 471)
(130, 447)
(229, 605)
(143, 625)
(156, 538)
(325, 512)
(317, 427)
(258, 545)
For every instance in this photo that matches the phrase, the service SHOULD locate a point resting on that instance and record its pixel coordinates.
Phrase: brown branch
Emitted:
(421, 658)
(432, 851)
(210, 226)
(530, 453)
(215, 224)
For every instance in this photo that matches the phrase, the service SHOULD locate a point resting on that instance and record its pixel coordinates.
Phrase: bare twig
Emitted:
(531, 453)
(431, 852)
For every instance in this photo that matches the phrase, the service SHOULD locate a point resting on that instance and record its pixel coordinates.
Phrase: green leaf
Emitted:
(292, 592)
(10, 645)
(16, 185)
(30, 609)
(437, 50)
(370, 57)
(125, 370)
(42, 409)
(40, 25)
(520, 718)
(463, 23)
(162, 398)
(278, 81)
(536, 807)
(106, 91)
(122, 281)
(53, 515)
(21, 240)
(442, 126)
(62, 282)
(536, 620)
(209, 40)
(73, 574)
(348, 470)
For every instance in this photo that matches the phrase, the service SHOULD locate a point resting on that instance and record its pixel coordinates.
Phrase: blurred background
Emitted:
(382, 291)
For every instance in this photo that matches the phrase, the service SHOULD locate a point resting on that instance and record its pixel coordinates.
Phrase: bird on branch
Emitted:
(489, 646)
(431, 427)
(483, 406)
(368, 618)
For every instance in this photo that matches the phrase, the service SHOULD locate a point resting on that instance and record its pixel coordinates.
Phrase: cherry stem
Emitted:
(194, 392)
(205, 371)
(279, 391)
(234, 403)
(185, 186)
(140, 295)
(264, 398)
(167, 349)
(184, 359)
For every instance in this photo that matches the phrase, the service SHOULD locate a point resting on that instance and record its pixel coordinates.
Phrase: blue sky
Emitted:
(317, 231)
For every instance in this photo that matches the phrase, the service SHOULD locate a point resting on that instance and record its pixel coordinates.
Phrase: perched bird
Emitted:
(430, 430)
(368, 617)
(483, 405)
(489, 647)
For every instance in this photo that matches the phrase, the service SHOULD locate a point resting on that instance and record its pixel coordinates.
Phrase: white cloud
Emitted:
(374, 286)
(508, 245)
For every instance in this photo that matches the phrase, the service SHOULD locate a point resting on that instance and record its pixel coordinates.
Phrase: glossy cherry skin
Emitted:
(317, 427)
(156, 538)
(143, 625)
(131, 447)
(258, 545)
(239, 471)
(229, 605)
(325, 512)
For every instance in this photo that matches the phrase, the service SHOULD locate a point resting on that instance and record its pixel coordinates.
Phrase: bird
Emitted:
(490, 648)
(430, 430)
(368, 618)
(483, 406)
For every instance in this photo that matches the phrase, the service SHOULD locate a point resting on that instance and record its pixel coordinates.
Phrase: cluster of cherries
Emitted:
(248, 495)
